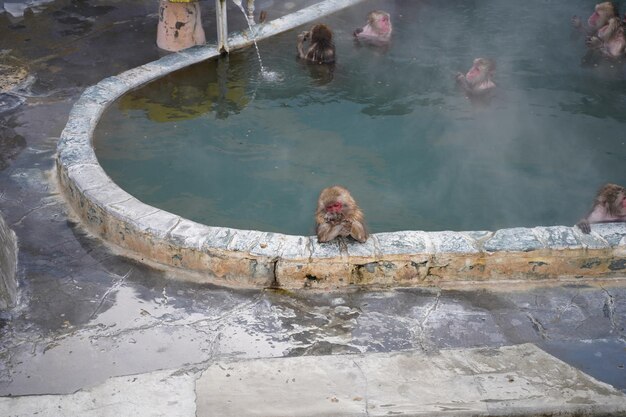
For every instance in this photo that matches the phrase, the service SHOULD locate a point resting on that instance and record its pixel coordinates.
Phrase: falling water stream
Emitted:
(265, 74)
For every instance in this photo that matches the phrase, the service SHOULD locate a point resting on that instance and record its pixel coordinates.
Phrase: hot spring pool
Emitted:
(219, 144)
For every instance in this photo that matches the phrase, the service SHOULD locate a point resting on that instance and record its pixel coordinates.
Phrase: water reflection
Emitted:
(190, 93)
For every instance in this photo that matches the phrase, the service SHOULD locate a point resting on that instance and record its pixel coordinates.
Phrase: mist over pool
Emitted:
(223, 145)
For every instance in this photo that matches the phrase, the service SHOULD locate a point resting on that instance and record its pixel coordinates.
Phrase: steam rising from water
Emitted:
(388, 124)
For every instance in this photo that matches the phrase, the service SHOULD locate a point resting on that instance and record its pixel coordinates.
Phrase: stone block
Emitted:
(8, 266)
(517, 239)
(405, 242)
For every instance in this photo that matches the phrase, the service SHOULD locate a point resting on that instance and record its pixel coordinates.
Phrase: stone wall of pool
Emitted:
(262, 259)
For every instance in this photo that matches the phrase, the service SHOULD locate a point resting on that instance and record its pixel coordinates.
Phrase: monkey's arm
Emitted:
(328, 231)
(358, 232)
(593, 42)
(302, 37)
(462, 83)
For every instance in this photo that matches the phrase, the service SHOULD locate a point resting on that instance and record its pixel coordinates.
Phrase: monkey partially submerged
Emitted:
(599, 18)
(608, 206)
(338, 214)
(477, 82)
(321, 49)
(609, 39)
(377, 30)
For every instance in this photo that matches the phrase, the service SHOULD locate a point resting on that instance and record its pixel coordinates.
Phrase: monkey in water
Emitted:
(599, 18)
(477, 82)
(377, 30)
(338, 214)
(321, 49)
(609, 206)
(609, 39)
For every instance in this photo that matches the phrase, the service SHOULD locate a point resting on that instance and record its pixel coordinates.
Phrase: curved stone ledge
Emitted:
(261, 259)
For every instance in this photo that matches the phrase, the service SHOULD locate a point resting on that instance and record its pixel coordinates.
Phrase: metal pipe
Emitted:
(222, 26)
(250, 4)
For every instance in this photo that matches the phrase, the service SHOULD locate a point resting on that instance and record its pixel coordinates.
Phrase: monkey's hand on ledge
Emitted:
(584, 226)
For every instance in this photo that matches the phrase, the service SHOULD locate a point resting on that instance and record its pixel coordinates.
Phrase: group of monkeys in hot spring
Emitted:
(337, 212)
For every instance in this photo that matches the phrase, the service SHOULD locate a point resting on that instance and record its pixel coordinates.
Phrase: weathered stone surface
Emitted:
(188, 234)
(275, 245)
(517, 239)
(452, 242)
(325, 250)
(72, 152)
(88, 177)
(478, 235)
(107, 195)
(162, 393)
(590, 240)
(613, 233)
(406, 242)
(8, 266)
(104, 93)
(363, 250)
(514, 380)
(557, 237)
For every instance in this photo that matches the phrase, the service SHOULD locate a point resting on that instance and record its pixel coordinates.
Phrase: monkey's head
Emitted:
(321, 33)
(482, 69)
(380, 21)
(613, 198)
(601, 14)
(336, 199)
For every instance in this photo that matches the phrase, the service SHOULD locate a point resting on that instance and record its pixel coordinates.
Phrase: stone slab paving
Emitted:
(507, 381)
(515, 380)
(153, 394)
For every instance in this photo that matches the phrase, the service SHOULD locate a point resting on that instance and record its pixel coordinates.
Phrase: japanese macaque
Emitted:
(377, 29)
(609, 206)
(477, 81)
(609, 39)
(599, 18)
(321, 48)
(338, 214)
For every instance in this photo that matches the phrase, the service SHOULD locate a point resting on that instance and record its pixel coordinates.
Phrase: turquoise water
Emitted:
(218, 144)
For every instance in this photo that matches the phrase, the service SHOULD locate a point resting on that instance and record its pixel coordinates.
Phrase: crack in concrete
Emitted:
(366, 394)
(609, 309)
(31, 211)
(566, 307)
(114, 287)
(421, 340)
(539, 328)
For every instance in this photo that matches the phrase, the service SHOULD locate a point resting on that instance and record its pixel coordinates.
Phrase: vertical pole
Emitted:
(250, 4)
(222, 26)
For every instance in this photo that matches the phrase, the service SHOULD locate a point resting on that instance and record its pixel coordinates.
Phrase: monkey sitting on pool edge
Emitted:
(338, 214)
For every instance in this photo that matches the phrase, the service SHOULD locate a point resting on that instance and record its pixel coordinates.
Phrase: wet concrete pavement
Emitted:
(87, 314)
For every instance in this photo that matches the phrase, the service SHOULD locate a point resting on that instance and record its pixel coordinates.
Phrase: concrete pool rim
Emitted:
(259, 259)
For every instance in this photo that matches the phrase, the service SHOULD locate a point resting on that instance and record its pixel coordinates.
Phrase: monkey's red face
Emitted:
(593, 19)
(384, 25)
(336, 207)
(473, 73)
